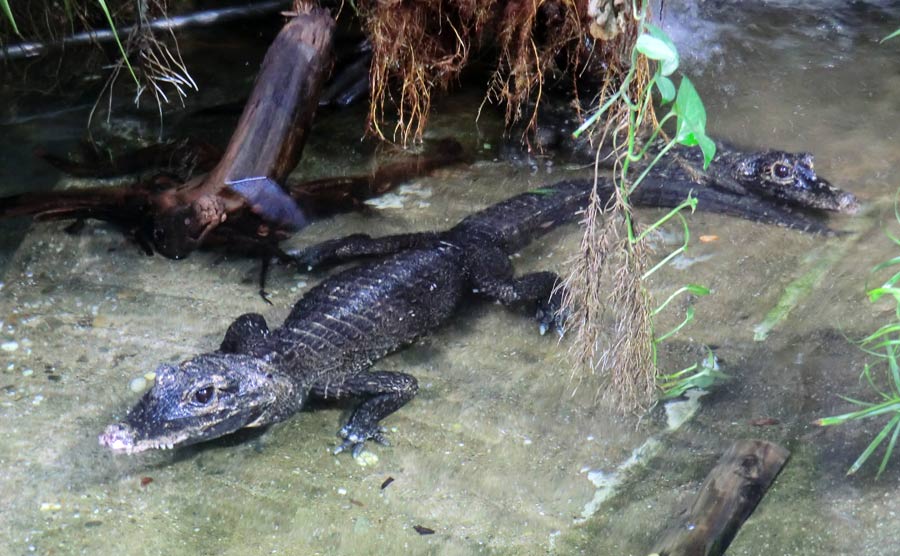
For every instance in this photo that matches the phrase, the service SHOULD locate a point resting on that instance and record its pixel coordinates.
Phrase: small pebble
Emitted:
(366, 459)
(27, 372)
(9, 346)
(342, 491)
(50, 506)
(150, 376)
(138, 384)
(37, 399)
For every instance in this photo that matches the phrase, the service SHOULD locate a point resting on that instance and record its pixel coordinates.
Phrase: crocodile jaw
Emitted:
(121, 438)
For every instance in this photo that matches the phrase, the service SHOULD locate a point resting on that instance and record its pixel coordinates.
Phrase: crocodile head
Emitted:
(790, 178)
(203, 398)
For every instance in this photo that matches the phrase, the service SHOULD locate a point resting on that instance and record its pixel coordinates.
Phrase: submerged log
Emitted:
(726, 499)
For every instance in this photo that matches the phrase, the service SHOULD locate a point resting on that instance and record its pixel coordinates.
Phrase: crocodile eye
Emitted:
(781, 171)
(203, 395)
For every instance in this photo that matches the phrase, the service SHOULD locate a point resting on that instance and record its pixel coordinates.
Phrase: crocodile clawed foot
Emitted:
(265, 296)
(355, 438)
(321, 254)
(551, 315)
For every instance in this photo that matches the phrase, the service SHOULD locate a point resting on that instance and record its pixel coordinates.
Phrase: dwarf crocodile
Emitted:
(338, 329)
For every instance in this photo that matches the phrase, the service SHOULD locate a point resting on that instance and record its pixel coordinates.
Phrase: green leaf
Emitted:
(9, 15)
(669, 66)
(691, 114)
(707, 146)
(655, 49)
(697, 289)
(666, 89)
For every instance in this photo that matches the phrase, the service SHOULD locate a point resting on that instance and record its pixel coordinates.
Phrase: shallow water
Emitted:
(495, 454)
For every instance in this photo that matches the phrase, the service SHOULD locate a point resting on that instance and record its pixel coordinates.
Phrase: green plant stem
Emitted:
(656, 160)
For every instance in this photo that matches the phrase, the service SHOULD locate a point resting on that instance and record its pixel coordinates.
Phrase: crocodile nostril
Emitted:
(848, 203)
(118, 437)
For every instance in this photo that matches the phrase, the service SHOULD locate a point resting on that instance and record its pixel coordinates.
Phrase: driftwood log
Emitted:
(242, 193)
(728, 496)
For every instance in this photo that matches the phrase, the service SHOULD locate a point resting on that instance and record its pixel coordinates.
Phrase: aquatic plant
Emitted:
(611, 234)
(881, 344)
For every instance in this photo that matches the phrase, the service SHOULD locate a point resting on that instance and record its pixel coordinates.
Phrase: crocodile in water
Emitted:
(341, 327)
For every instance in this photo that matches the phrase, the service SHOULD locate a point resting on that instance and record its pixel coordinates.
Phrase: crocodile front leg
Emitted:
(354, 246)
(491, 275)
(384, 392)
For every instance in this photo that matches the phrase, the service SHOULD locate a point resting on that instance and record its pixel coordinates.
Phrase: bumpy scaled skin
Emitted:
(341, 327)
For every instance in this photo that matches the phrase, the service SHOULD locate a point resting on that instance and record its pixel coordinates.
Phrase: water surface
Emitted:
(500, 453)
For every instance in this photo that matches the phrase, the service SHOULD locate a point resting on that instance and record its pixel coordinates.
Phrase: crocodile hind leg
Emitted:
(384, 392)
(491, 275)
(355, 246)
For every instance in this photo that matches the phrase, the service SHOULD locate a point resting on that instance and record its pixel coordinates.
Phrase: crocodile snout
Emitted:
(848, 203)
(118, 437)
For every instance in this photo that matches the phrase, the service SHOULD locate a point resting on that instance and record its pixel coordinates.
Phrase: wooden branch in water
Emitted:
(728, 496)
(272, 131)
(244, 190)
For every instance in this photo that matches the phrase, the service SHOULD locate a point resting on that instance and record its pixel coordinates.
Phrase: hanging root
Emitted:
(610, 306)
(420, 47)
(629, 356)
(417, 48)
(532, 36)
(158, 68)
(606, 294)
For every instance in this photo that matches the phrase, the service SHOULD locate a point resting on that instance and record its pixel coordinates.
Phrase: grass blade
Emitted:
(888, 451)
(112, 26)
(4, 4)
(873, 445)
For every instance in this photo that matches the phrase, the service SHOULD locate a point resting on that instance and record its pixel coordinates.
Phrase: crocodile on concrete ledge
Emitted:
(341, 327)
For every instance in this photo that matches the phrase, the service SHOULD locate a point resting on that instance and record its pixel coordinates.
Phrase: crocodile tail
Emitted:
(517, 221)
